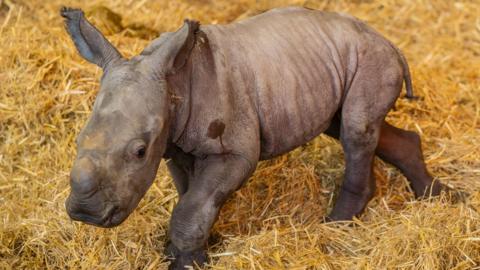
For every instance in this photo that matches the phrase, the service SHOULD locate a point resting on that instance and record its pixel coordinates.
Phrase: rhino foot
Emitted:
(181, 260)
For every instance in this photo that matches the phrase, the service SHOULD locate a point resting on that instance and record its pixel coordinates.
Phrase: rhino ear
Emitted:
(90, 43)
(171, 50)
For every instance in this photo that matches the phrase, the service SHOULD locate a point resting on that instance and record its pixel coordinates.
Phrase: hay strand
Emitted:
(47, 90)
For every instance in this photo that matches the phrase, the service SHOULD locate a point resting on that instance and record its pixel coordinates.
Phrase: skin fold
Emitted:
(214, 100)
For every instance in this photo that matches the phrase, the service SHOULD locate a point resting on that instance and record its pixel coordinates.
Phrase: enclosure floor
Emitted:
(273, 222)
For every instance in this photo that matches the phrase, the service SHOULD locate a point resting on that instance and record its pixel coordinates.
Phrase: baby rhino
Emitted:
(214, 100)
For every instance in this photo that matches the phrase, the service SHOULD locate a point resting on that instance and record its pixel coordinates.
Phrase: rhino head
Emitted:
(120, 148)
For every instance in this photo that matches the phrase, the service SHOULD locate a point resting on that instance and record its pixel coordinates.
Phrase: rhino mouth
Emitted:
(110, 216)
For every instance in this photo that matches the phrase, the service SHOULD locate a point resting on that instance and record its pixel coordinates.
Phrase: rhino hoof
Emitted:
(180, 260)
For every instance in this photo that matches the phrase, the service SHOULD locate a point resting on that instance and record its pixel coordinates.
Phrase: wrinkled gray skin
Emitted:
(214, 100)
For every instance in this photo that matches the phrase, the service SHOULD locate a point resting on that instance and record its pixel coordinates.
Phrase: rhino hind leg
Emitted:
(402, 149)
(370, 96)
(359, 183)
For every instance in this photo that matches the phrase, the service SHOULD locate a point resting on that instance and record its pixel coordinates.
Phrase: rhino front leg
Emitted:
(180, 167)
(216, 177)
(179, 175)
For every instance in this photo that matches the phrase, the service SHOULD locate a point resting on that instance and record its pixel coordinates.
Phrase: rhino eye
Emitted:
(140, 153)
(137, 149)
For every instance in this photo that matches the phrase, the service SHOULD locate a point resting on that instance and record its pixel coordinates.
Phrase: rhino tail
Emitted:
(406, 76)
(406, 72)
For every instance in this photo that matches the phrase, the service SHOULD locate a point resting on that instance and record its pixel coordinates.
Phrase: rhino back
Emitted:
(295, 63)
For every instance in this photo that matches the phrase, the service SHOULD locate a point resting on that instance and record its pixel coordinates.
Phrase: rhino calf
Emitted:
(214, 100)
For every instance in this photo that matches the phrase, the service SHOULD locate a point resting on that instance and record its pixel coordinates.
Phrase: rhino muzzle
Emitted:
(87, 201)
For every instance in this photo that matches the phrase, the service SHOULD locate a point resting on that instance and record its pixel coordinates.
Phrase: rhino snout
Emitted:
(87, 202)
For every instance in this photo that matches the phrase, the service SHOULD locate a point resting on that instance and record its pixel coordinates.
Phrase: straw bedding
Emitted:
(273, 222)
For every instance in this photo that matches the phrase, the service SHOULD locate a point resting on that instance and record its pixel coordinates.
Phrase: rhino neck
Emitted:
(181, 85)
